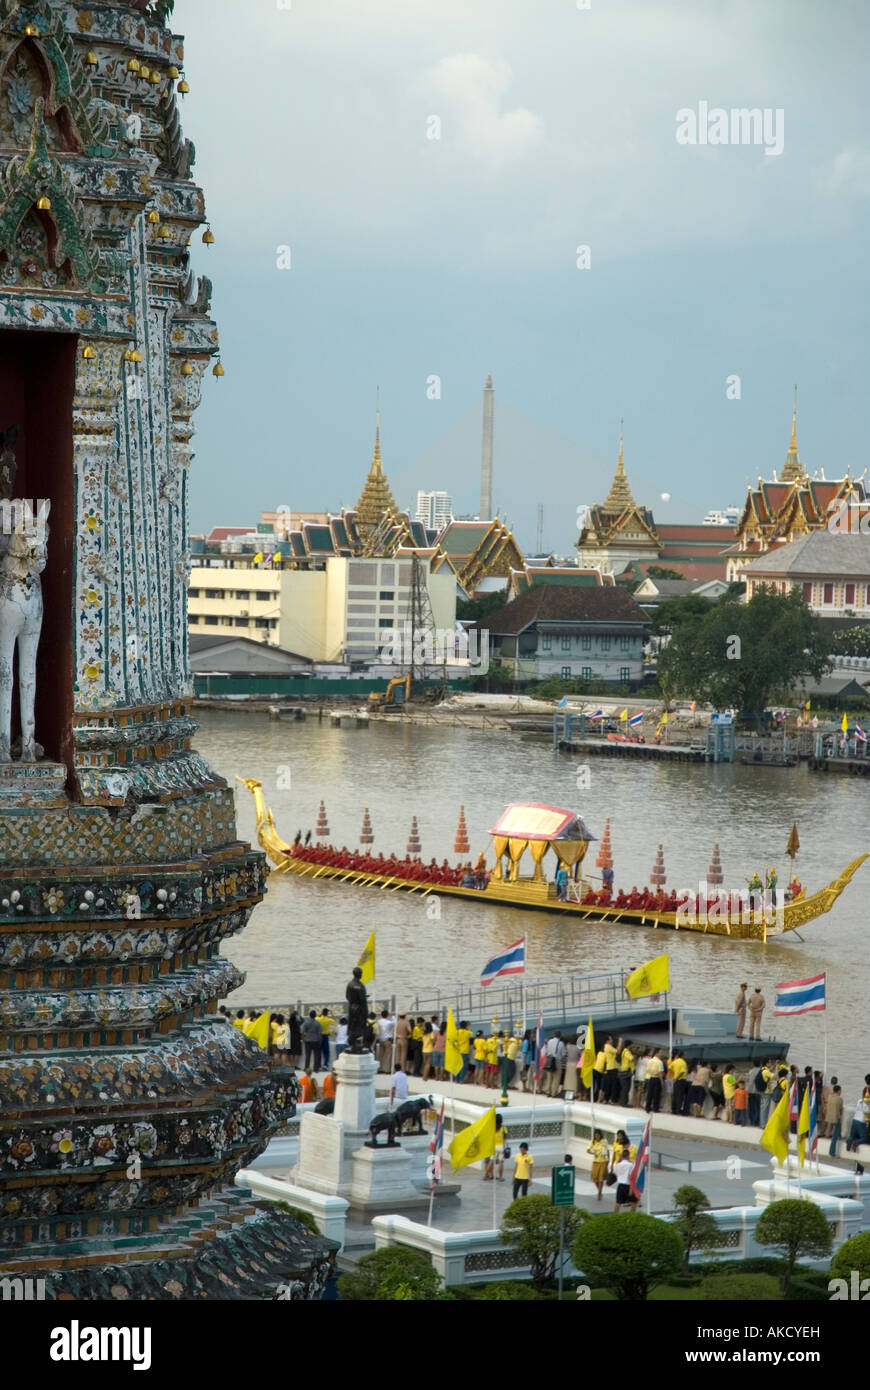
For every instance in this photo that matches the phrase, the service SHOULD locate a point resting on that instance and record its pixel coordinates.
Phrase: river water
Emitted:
(304, 938)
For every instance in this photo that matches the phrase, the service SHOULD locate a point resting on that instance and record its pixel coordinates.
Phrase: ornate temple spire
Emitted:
(619, 496)
(793, 469)
(376, 497)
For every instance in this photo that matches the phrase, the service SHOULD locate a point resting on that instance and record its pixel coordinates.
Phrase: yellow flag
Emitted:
(803, 1125)
(775, 1136)
(258, 558)
(259, 1029)
(477, 1141)
(652, 978)
(845, 724)
(623, 716)
(807, 705)
(366, 961)
(663, 720)
(587, 1063)
(452, 1055)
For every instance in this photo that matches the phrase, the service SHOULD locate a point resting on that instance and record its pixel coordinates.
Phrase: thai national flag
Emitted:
(436, 1144)
(511, 961)
(800, 996)
(859, 733)
(599, 714)
(637, 1177)
(540, 1050)
(794, 1110)
(636, 719)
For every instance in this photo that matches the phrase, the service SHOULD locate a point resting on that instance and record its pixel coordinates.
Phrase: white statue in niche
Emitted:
(22, 560)
(132, 132)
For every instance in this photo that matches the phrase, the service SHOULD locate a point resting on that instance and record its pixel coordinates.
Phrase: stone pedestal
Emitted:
(324, 1159)
(355, 1092)
(332, 1155)
(382, 1178)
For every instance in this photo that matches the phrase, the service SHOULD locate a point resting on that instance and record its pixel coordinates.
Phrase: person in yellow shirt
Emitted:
(679, 1072)
(655, 1069)
(611, 1073)
(239, 1021)
(511, 1051)
(327, 1027)
(415, 1049)
(491, 1059)
(598, 1150)
(598, 1073)
(479, 1058)
(626, 1073)
(463, 1042)
(620, 1143)
(428, 1049)
(523, 1164)
(729, 1086)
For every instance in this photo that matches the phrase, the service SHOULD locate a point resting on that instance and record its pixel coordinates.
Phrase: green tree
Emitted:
(738, 655)
(696, 1227)
(852, 1254)
(472, 610)
(396, 1272)
(627, 1252)
(675, 611)
(662, 572)
(531, 1226)
(851, 641)
(499, 677)
(797, 1228)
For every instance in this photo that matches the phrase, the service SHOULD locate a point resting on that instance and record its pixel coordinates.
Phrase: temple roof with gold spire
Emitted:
(376, 499)
(619, 498)
(789, 506)
(793, 469)
(618, 521)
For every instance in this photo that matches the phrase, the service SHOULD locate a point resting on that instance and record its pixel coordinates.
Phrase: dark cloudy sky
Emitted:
(414, 257)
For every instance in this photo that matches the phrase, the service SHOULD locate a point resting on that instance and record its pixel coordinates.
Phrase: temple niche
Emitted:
(127, 1104)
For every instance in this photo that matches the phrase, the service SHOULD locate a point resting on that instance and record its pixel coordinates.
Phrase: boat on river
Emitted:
(539, 829)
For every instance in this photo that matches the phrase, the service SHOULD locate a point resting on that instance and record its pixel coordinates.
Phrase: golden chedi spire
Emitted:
(619, 496)
(376, 497)
(793, 470)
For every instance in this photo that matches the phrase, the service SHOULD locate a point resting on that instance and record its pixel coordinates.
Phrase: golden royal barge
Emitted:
(541, 828)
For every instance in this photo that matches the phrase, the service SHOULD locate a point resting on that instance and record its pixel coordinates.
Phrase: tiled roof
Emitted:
(461, 538)
(822, 552)
(565, 603)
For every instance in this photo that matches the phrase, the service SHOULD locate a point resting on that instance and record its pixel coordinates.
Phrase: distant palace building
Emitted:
(619, 536)
(778, 512)
(297, 581)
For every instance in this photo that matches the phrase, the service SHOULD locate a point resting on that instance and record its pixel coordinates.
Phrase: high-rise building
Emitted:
(434, 509)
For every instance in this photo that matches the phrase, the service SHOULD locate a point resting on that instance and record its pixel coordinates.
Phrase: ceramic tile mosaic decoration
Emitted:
(127, 1105)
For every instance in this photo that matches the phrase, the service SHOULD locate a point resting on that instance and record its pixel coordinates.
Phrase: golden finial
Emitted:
(793, 444)
(376, 457)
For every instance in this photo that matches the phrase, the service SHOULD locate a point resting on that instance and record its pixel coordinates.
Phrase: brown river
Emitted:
(304, 938)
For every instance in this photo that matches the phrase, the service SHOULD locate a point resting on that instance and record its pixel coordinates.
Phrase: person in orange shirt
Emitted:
(328, 1087)
(741, 1102)
(307, 1088)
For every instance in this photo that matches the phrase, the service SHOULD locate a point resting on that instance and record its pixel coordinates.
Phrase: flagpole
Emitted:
(648, 1183)
(525, 949)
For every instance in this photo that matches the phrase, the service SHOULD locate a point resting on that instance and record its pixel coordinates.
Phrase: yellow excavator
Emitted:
(395, 695)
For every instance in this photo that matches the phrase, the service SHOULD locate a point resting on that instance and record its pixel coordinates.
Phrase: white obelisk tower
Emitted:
(486, 461)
